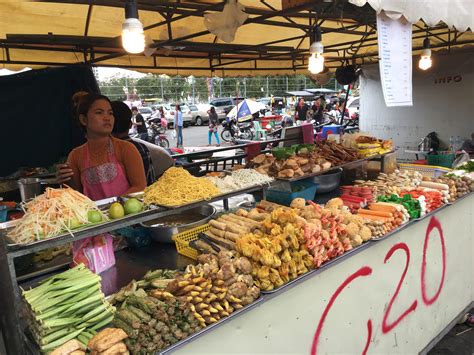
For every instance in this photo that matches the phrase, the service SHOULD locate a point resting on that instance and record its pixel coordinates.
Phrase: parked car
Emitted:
(224, 105)
(146, 112)
(198, 115)
(353, 105)
(169, 114)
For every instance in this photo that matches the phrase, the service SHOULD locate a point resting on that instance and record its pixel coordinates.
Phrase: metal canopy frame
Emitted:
(356, 21)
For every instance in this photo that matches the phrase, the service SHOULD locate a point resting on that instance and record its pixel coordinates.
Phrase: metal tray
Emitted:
(315, 271)
(216, 198)
(332, 168)
(393, 231)
(211, 327)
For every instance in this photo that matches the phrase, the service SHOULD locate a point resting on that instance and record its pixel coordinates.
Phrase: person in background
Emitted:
(139, 123)
(122, 125)
(163, 120)
(213, 125)
(301, 110)
(104, 166)
(178, 120)
(468, 145)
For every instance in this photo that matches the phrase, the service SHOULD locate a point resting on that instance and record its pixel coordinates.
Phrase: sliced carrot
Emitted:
(377, 213)
(382, 208)
(373, 218)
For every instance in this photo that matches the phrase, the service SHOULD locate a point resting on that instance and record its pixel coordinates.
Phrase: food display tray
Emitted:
(216, 198)
(80, 233)
(312, 272)
(332, 168)
(393, 231)
(210, 327)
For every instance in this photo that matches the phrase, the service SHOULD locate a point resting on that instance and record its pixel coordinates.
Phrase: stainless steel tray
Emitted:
(315, 271)
(211, 327)
(217, 198)
(393, 231)
(332, 168)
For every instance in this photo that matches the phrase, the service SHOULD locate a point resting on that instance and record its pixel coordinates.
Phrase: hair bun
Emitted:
(78, 97)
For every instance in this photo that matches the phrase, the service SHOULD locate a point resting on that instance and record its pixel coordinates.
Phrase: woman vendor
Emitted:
(104, 166)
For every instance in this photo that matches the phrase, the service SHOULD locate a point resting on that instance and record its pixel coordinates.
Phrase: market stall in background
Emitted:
(311, 238)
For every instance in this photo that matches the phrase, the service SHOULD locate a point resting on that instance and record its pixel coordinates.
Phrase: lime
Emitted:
(132, 205)
(94, 216)
(74, 223)
(116, 210)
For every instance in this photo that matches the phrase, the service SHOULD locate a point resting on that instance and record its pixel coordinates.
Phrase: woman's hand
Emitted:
(63, 173)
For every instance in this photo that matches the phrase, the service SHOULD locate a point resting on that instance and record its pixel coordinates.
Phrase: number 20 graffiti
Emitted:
(367, 271)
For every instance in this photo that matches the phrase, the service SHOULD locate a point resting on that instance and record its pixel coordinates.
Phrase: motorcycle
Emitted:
(233, 130)
(156, 134)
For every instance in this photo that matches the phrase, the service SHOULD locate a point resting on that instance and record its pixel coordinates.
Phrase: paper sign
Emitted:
(394, 37)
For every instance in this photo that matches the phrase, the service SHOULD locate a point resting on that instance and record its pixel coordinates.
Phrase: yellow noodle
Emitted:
(177, 187)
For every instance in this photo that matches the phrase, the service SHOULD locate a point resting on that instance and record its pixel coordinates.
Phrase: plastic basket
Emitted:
(285, 197)
(445, 160)
(183, 239)
(426, 170)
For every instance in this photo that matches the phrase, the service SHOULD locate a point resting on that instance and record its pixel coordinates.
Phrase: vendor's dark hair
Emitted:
(82, 104)
(122, 115)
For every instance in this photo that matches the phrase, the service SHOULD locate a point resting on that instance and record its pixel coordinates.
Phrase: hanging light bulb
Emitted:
(316, 63)
(425, 60)
(316, 60)
(133, 38)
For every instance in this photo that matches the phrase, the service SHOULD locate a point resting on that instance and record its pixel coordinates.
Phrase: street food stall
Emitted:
(383, 262)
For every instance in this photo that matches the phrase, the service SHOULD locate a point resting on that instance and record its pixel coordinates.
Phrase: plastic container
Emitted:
(426, 170)
(446, 160)
(308, 191)
(183, 239)
(331, 129)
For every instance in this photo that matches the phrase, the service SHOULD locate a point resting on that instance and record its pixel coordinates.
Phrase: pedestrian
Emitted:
(468, 145)
(122, 125)
(178, 120)
(139, 123)
(213, 125)
(163, 120)
(301, 110)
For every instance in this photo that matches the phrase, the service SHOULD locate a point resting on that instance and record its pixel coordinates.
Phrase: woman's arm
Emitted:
(70, 173)
(133, 164)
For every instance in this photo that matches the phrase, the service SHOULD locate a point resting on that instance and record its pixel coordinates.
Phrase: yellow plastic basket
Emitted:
(426, 170)
(183, 239)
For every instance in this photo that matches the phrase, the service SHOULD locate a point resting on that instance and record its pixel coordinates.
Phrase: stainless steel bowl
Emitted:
(328, 182)
(163, 234)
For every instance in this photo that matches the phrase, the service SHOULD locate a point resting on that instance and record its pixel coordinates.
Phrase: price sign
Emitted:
(395, 60)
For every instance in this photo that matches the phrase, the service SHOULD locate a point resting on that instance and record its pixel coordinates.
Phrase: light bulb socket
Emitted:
(131, 9)
(316, 47)
(132, 24)
(426, 43)
(426, 52)
(317, 35)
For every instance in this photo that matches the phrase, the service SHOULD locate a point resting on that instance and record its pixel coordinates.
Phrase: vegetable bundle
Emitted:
(67, 306)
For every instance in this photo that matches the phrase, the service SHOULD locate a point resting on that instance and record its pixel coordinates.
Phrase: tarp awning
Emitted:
(273, 40)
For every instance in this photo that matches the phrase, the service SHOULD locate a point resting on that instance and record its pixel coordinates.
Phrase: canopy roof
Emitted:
(273, 40)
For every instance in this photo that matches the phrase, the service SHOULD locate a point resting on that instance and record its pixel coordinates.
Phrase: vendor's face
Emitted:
(99, 118)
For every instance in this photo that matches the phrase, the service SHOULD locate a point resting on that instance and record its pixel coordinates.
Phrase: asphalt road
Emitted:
(194, 136)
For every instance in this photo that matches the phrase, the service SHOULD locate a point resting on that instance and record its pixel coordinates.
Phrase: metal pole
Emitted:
(305, 82)
(11, 304)
(245, 87)
(286, 77)
(193, 88)
(220, 87)
(161, 83)
(267, 87)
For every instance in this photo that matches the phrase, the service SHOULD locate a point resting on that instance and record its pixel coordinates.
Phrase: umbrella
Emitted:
(245, 109)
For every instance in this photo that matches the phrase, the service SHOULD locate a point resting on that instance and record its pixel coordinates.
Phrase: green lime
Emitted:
(132, 205)
(116, 210)
(74, 223)
(94, 216)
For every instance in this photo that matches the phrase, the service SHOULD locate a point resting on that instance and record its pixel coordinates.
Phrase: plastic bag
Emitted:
(225, 24)
(461, 159)
(173, 134)
(96, 253)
